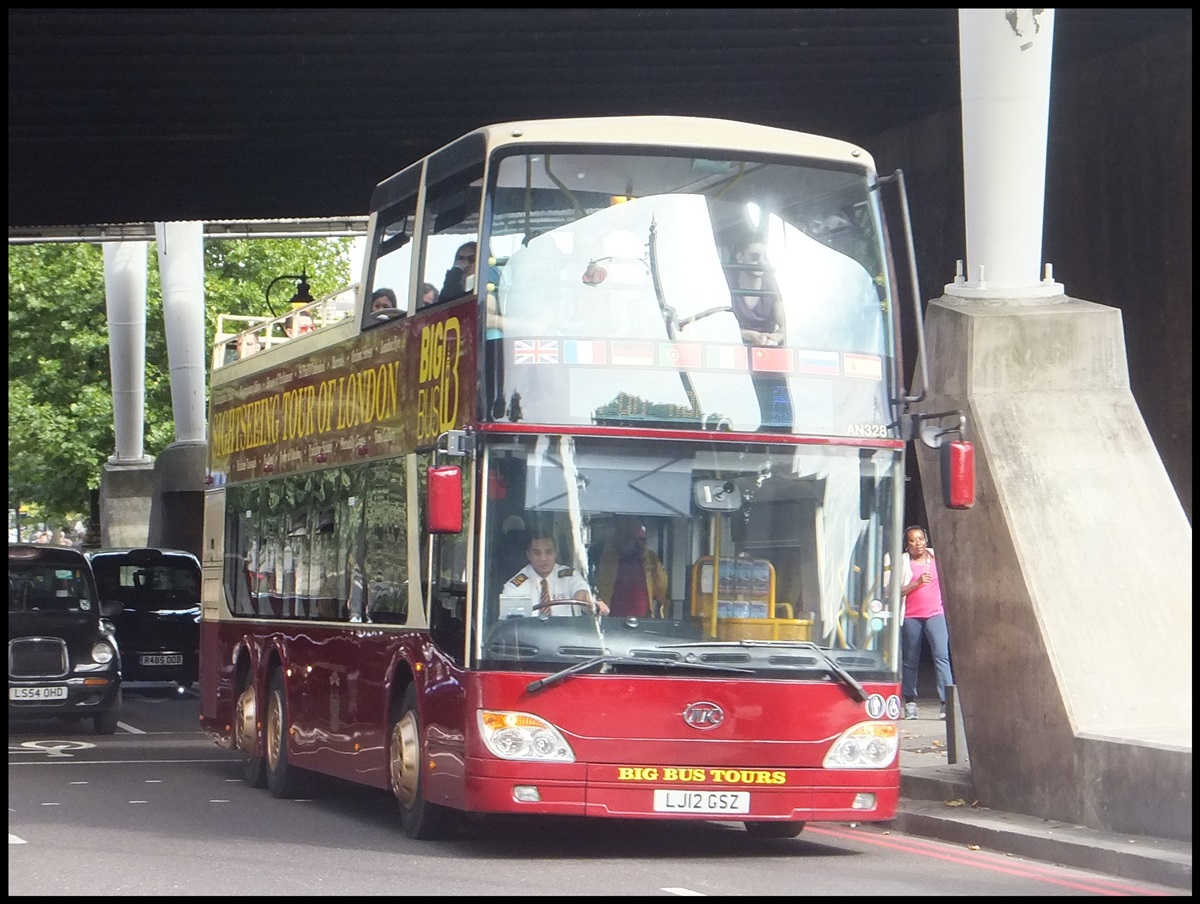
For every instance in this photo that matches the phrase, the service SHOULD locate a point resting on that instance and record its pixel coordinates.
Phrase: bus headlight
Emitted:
(521, 736)
(102, 653)
(868, 745)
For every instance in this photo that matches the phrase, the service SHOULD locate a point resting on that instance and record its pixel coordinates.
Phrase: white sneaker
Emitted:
(910, 710)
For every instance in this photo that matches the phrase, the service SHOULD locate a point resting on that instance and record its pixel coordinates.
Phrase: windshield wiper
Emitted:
(611, 659)
(859, 692)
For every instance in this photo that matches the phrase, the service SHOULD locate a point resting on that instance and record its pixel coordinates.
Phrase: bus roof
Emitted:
(700, 133)
(675, 131)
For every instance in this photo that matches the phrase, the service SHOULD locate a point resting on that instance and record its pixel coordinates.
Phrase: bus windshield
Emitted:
(635, 290)
(747, 556)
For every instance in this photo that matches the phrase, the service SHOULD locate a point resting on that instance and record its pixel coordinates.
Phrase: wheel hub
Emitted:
(274, 732)
(404, 757)
(245, 723)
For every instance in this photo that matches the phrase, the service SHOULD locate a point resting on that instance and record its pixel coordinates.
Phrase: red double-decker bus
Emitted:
(651, 359)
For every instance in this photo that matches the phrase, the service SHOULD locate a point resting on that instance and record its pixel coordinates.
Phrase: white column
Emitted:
(1004, 58)
(181, 266)
(125, 296)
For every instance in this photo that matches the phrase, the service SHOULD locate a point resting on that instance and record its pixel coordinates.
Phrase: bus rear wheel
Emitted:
(773, 829)
(245, 737)
(421, 819)
(283, 778)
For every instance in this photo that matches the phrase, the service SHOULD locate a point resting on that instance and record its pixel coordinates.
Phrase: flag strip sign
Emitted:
(580, 351)
(727, 357)
(771, 360)
(636, 354)
(535, 351)
(680, 354)
(866, 367)
(826, 364)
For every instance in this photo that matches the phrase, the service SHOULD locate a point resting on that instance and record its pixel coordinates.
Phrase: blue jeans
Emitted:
(933, 628)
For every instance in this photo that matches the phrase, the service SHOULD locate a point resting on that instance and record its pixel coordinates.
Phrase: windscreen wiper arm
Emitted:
(610, 659)
(859, 692)
(853, 683)
(541, 683)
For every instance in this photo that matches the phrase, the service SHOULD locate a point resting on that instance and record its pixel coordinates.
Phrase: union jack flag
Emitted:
(535, 351)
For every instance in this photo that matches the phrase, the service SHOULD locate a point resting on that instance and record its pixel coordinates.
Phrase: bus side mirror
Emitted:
(444, 496)
(958, 474)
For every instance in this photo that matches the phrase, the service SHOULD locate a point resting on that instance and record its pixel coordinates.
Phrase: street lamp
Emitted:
(302, 296)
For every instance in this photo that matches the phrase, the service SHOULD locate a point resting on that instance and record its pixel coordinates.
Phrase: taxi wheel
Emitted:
(283, 779)
(421, 819)
(245, 737)
(106, 722)
(774, 829)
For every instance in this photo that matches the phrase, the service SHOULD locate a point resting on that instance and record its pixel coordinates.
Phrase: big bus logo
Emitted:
(438, 393)
(703, 715)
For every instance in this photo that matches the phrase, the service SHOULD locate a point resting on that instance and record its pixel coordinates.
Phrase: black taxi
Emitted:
(159, 624)
(63, 658)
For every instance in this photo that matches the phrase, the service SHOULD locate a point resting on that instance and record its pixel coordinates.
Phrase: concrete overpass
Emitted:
(1076, 708)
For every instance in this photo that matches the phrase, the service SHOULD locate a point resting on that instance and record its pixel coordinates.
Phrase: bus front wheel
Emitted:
(421, 819)
(773, 829)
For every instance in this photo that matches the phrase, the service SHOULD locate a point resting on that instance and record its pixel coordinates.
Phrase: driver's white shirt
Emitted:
(563, 580)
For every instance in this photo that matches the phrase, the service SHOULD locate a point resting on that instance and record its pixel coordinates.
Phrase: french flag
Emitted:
(591, 351)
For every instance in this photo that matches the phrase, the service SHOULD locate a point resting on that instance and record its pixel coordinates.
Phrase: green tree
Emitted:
(60, 410)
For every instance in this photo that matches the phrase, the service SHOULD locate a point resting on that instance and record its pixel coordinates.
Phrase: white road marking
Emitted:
(13, 839)
(686, 892)
(130, 728)
(51, 803)
(51, 748)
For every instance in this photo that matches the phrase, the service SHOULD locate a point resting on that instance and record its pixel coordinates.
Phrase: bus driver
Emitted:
(545, 581)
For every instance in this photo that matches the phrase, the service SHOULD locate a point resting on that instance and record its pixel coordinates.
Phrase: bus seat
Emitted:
(746, 607)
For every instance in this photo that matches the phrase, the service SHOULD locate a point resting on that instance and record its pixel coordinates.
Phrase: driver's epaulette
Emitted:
(566, 572)
(519, 580)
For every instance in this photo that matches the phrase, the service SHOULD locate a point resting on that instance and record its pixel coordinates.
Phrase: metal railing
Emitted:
(240, 336)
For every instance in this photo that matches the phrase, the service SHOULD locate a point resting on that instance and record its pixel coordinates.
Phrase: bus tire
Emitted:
(421, 819)
(245, 737)
(283, 778)
(773, 829)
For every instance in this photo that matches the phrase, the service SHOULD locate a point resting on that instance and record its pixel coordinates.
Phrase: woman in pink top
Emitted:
(921, 592)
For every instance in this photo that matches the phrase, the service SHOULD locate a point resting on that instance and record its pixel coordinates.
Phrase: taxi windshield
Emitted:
(48, 588)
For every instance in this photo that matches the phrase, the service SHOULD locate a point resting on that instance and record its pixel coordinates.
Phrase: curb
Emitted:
(1162, 861)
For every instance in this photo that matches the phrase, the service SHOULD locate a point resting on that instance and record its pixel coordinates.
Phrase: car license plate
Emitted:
(37, 693)
(701, 801)
(161, 659)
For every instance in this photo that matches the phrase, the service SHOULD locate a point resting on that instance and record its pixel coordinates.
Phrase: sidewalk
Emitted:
(937, 800)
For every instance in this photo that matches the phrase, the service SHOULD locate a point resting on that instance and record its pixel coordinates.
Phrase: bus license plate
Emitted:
(161, 659)
(37, 693)
(701, 801)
